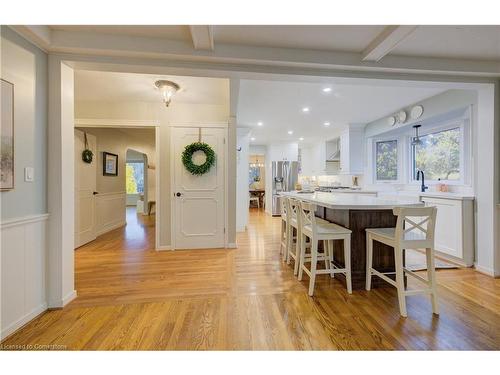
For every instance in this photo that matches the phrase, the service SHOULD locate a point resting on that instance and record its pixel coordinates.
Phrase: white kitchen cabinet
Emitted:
(313, 161)
(352, 150)
(454, 235)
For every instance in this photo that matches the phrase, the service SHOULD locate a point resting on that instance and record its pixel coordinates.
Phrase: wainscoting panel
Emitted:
(110, 211)
(24, 260)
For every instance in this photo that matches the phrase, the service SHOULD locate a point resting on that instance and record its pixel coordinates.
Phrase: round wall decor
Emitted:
(391, 121)
(416, 112)
(187, 158)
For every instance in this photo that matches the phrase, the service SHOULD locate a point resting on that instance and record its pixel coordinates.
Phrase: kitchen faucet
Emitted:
(422, 187)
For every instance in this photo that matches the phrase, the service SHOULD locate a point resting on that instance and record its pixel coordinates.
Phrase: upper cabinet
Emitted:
(352, 150)
(314, 160)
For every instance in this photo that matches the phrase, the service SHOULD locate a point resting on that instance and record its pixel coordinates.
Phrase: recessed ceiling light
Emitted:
(326, 123)
(305, 109)
(301, 138)
(260, 123)
(252, 139)
(327, 89)
(290, 132)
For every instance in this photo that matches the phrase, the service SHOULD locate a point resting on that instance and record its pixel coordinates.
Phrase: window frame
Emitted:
(463, 125)
(399, 161)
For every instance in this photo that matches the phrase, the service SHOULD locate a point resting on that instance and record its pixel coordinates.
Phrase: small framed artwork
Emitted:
(7, 136)
(109, 164)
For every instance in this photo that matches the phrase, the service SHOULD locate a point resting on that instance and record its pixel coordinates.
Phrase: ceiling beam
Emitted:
(249, 58)
(386, 41)
(40, 35)
(203, 38)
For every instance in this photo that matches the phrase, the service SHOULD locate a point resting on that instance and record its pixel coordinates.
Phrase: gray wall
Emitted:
(25, 66)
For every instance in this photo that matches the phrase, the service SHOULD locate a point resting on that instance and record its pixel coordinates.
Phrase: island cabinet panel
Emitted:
(357, 221)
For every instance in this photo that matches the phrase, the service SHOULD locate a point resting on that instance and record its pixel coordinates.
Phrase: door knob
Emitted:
(95, 193)
(178, 194)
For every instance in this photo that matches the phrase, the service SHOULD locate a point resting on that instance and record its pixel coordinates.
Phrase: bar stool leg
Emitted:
(369, 261)
(431, 276)
(289, 244)
(302, 255)
(314, 261)
(347, 261)
(297, 253)
(400, 285)
(330, 257)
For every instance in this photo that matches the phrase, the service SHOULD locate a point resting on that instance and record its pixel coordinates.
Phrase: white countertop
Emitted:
(351, 201)
(430, 194)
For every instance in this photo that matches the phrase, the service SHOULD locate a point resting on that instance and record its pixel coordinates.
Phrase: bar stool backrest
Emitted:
(415, 227)
(284, 207)
(307, 216)
(293, 208)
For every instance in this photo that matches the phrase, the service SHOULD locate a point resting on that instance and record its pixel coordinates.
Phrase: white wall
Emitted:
(26, 67)
(242, 170)
(23, 249)
(177, 113)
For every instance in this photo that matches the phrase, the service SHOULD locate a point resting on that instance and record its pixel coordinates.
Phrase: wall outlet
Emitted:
(29, 174)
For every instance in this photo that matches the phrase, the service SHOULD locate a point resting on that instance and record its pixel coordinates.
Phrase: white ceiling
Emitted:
(113, 86)
(279, 106)
(339, 38)
(459, 42)
(173, 32)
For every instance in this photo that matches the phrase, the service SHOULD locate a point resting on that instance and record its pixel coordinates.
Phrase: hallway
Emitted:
(133, 297)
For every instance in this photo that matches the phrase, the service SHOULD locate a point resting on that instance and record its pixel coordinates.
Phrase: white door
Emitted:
(198, 201)
(85, 187)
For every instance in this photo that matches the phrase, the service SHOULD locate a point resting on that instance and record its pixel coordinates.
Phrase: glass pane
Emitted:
(254, 175)
(439, 155)
(387, 160)
(135, 178)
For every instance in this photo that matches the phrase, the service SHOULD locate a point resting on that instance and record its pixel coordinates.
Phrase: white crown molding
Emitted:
(113, 123)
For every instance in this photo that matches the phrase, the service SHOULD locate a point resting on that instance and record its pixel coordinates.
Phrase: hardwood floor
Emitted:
(132, 297)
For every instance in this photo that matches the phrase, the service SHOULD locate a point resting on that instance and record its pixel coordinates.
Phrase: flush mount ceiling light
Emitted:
(327, 89)
(260, 123)
(301, 138)
(326, 123)
(167, 89)
(290, 132)
(252, 139)
(305, 109)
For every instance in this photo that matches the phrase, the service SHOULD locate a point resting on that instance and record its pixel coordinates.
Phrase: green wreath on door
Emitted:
(187, 158)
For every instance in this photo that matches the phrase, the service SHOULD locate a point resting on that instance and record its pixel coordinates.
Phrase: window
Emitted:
(386, 160)
(135, 178)
(438, 155)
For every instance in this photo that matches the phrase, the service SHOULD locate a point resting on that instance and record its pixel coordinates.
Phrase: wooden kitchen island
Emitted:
(358, 212)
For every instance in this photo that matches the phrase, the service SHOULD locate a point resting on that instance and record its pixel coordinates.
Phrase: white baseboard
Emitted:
(485, 270)
(59, 304)
(109, 228)
(232, 245)
(9, 330)
(163, 248)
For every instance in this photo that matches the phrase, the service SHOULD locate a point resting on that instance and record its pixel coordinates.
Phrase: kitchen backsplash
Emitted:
(342, 180)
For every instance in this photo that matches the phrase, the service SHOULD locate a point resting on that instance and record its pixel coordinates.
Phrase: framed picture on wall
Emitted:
(109, 164)
(7, 136)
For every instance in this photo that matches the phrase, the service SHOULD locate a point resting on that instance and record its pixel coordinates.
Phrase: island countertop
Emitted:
(351, 201)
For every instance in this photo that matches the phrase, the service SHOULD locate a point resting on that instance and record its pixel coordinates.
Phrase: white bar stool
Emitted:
(293, 249)
(414, 230)
(321, 230)
(285, 228)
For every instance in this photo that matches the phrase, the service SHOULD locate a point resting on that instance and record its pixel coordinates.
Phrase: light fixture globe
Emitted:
(167, 89)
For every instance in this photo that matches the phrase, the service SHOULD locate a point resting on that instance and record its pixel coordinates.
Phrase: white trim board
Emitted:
(114, 123)
(23, 220)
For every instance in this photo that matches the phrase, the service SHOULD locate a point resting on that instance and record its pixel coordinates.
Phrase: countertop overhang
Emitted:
(351, 201)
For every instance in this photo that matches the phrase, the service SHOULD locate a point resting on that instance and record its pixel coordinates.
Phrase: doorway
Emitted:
(257, 181)
(117, 188)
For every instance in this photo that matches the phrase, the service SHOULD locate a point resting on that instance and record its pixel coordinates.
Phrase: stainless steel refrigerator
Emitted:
(284, 176)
